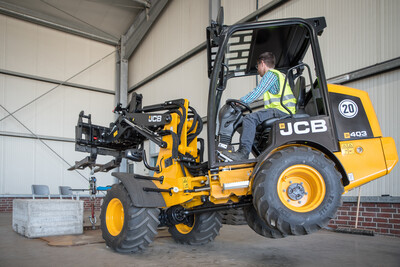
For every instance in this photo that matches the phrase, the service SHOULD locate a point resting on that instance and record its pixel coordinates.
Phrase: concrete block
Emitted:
(47, 217)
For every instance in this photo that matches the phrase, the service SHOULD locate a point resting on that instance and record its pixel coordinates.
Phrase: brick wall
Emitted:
(6, 203)
(383, 218)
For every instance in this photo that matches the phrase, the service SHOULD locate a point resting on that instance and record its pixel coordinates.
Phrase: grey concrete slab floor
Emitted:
(235, 246)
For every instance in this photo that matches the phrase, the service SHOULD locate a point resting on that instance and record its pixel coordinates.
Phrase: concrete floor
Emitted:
(236, 246)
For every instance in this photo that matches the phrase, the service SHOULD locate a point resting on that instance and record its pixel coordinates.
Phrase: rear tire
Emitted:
(201, 229)
(297, 191)
(233, 217)
(258, 225)
(127, 228)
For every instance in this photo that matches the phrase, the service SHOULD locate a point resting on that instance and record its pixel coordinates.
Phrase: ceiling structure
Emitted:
(102, 20)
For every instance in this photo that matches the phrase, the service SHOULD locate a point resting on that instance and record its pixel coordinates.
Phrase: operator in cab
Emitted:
(271, 87)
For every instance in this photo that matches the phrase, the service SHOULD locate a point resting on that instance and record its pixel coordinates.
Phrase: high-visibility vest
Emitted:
(274, 101)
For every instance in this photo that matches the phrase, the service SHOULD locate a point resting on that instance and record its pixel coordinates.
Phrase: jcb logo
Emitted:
(155, 118)
(303, 127)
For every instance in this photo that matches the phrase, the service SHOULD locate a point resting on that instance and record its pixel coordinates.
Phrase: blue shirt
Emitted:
(269, 82)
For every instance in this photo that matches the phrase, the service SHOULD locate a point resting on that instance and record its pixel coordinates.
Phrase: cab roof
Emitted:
(288, 41)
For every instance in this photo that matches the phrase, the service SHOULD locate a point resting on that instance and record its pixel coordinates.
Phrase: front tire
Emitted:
(199, 229)
(297, 191)
(127, 228)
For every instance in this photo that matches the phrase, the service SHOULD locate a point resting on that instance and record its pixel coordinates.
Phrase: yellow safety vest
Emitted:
(274, 101)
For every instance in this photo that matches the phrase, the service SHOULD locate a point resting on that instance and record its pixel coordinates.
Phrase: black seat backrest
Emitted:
(299, 92)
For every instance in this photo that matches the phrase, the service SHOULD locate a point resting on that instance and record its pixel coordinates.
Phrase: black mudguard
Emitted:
(140, 198)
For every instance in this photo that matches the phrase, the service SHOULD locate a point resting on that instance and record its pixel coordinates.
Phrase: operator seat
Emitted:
(299, 92)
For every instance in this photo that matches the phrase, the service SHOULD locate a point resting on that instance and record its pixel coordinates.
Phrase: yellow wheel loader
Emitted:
(300, 166)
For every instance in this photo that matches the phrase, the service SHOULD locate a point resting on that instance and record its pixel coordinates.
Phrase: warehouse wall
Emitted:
(35, 50)
(179, 29)
(359, 34)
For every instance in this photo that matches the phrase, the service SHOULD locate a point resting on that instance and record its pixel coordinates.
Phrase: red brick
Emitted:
(368, 224)
(368, 204)
(383, 230)
(368, 214)
(385, 215)
(396, 226)
(346, 218)
(372, 209)
(395, 232)
(341, 222)
(394, 221)
(355, 209)
(385, 205)
(350, 213)
(396, 215)
(360, 219)
(344, 208)
(347, 204)
(353, 223)
(385, 225)
(396, 205)
(388, 210)
(380, 220)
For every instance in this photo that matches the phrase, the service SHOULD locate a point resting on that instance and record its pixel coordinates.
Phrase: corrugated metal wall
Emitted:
(360, 33)
(40, 51)
(385, 96)
(179, 29)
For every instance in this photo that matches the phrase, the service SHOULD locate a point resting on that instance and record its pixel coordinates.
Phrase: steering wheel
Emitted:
(234, 102)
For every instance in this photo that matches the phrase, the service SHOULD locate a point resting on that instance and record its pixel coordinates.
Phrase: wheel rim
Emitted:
(184, 228)
(301, 188)
(115, 217)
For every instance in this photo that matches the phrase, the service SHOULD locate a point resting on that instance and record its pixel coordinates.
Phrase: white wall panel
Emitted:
(35, 50)
(359, 33)
(189, 80)
(2, 96)
(56, 113)
(27, 161)
(236, 10)
(179, 29)
(2, 43)
(18, 165)
(17, 92)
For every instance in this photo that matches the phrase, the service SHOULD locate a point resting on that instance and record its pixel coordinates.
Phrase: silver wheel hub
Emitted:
(296, 191)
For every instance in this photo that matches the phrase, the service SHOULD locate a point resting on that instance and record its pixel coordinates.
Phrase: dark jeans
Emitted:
(250, 123)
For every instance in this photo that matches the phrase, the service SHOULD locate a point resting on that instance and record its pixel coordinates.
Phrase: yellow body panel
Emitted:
(364, 160)
(366, 102)
(227, 176)
(391, 156)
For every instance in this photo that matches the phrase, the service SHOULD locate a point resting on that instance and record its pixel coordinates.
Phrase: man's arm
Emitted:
(269, 82)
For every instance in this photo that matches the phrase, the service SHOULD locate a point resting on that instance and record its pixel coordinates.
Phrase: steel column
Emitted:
(213, 6)
(141, 25)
